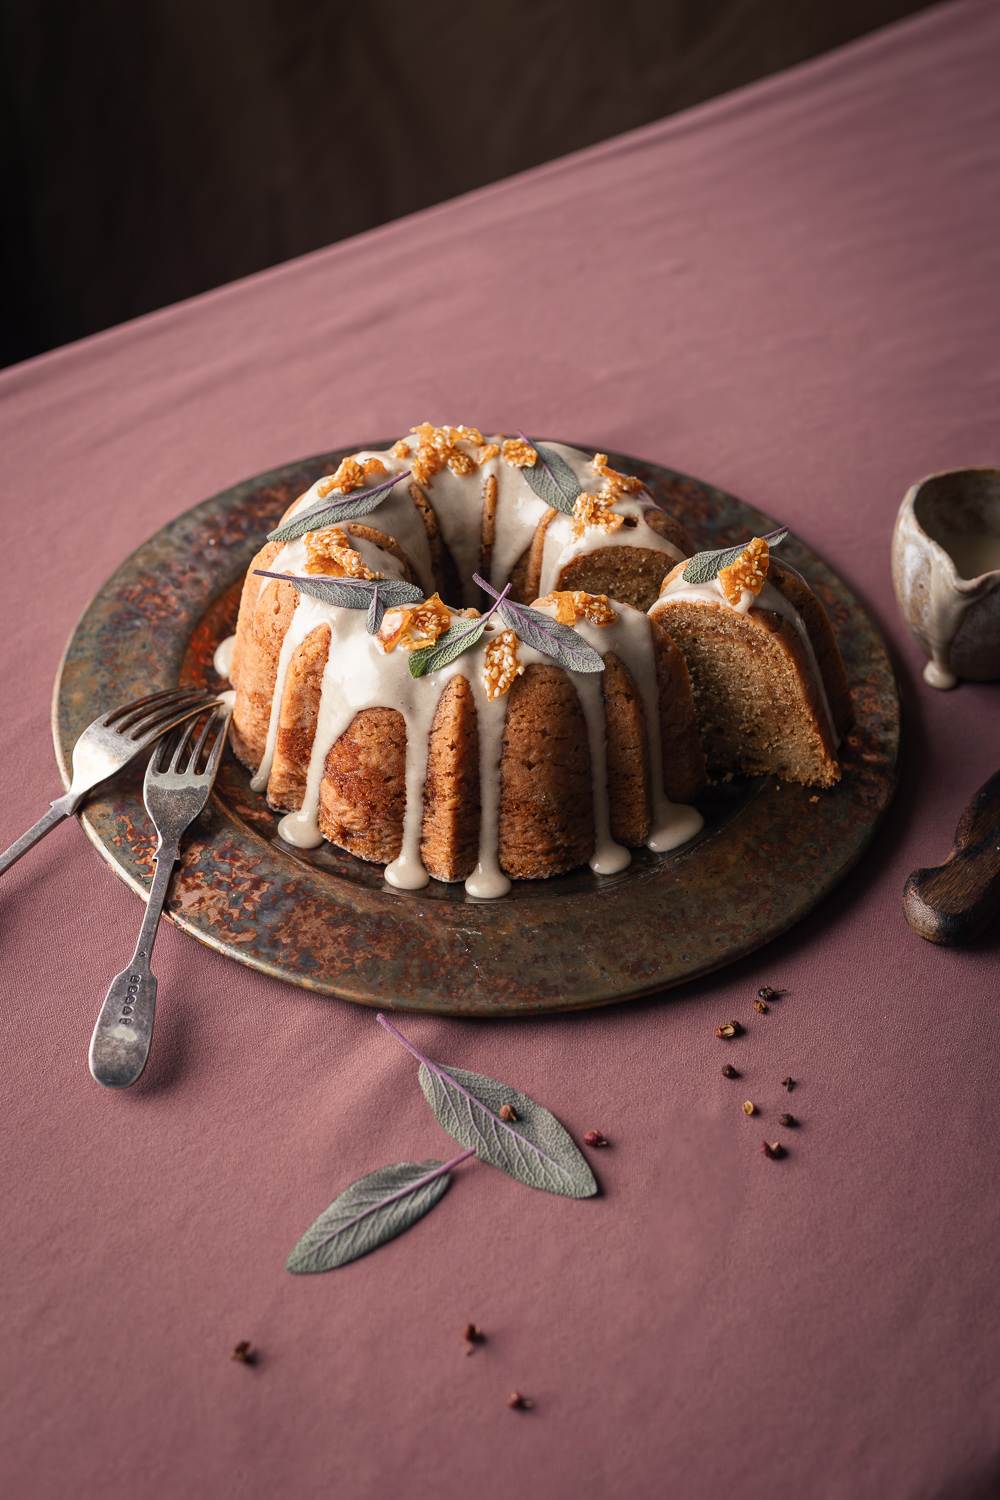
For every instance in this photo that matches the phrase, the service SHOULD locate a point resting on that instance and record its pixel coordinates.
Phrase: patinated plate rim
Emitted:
(490, 975)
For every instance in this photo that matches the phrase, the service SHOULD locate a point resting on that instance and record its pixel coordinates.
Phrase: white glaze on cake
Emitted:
(222, 660)
(631, 640)
(359, 674)
(457, 500)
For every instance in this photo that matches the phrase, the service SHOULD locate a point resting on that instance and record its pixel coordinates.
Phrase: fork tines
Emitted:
(156, 712)
(180, 754)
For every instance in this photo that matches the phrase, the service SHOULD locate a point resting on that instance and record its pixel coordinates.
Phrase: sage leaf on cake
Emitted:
(456, 639)
(335, 509)
(352, 593)
(539, 631)
(376, 610)
(705, 566)
(532, 1147)
(552, 479)
(459, 637)
(374, 1209)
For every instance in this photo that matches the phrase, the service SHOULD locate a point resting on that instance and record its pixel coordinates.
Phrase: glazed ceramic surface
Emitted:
(327, 921)
(946, 573)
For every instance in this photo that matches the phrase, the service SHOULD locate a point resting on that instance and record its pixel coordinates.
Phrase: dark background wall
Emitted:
(155, 148)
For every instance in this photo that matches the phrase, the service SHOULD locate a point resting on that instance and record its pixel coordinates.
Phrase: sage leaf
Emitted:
(564, 644)
(539, 631)
(456, 639)
(375, 612)
(371, 1211)
(552, 479)
(530, 1145)
(352, 593)
(533, 1149)
(705, 566)
(334, 511)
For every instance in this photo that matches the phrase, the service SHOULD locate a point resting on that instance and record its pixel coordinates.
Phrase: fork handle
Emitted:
(59, 809)
(119, 1047)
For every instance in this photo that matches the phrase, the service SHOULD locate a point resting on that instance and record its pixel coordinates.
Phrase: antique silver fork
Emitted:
(179, 778)
(107, 745)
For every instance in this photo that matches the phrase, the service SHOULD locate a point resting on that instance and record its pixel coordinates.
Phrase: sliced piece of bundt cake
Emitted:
(769, 687)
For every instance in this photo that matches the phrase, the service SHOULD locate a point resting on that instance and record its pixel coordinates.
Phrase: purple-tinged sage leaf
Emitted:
(371, 1211)
(539, 631)
(351, 593)
(531, 1146)
(334, 510)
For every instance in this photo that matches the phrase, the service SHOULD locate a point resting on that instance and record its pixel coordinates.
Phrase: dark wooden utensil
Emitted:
(954, 902)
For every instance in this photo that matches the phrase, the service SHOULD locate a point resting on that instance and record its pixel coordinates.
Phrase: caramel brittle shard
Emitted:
(501, 666)
(519, 453)
(351, 475)
(571, 605)
(441, 446)
(748, 573)
(414, 625)
(594, 510)
(617, 483)
(330, 552)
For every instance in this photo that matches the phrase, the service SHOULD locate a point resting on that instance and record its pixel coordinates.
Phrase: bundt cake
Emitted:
(509, 761)
(547, 734)
(770, 691)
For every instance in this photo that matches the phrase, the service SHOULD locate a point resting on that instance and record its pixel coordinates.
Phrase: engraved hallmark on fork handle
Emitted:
(119, 1047)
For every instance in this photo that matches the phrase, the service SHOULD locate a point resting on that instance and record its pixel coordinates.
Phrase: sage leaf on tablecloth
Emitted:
(539, 631)
(352, 593)
(705, 566)
(371, 1211)
(457, 638)
(333, 510)
(552, 479)
(532, 1147)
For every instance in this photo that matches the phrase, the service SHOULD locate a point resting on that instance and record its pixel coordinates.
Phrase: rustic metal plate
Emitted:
(327, 921)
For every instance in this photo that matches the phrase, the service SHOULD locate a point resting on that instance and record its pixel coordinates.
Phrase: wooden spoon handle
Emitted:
(953, 903)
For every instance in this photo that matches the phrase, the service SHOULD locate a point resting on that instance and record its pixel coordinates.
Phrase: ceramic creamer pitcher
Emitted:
(946, 573)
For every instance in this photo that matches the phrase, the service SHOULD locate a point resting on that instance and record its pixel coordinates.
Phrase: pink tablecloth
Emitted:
(792, 292)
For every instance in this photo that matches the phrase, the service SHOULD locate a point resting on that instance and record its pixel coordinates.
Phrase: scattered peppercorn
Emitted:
(729, 1071)
(761, 1006)
(789, 1121)
(788, 1083)
(728, 1030)
(749, 1107)
(773, 1149)
(508, 1112)
(595, 1138)
(768, 992)
(244, 1353)
(473, 1335)
(517, 1402)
